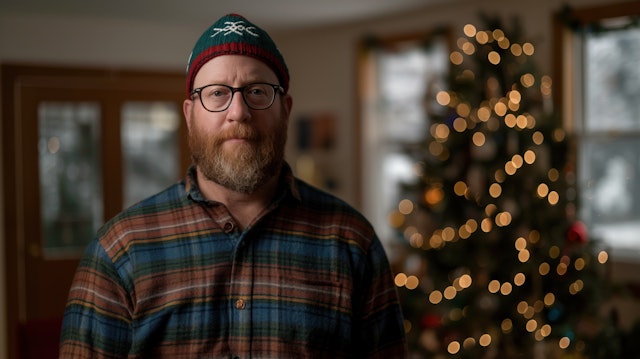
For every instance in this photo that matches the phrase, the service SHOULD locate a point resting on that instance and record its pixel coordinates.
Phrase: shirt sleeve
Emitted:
(380, 333)
(97, 319)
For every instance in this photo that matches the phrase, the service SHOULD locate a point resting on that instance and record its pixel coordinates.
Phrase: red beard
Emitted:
(243, 166)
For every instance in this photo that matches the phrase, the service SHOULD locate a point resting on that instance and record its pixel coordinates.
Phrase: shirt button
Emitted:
(228, 227)
(241, 304)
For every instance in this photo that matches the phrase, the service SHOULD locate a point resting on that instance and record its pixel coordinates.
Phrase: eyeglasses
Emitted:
(217, 98)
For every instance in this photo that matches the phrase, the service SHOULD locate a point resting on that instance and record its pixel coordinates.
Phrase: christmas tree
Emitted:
(494, 263)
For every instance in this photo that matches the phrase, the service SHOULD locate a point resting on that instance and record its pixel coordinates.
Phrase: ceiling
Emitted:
(267, 13)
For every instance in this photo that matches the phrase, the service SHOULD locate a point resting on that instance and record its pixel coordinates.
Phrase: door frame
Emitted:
(15, 208)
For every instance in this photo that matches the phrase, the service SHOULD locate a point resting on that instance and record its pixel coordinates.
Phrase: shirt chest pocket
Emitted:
(301, 308)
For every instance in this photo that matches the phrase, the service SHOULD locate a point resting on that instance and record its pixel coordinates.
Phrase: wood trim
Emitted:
(8, 77)
(594, 14)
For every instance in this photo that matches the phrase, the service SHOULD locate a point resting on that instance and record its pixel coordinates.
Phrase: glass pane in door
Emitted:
(70, 176)
(150, 148)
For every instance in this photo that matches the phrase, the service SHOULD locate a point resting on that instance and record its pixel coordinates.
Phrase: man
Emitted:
(240, 259)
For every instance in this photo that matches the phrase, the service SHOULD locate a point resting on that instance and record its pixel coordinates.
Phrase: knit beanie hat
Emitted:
(232, 34)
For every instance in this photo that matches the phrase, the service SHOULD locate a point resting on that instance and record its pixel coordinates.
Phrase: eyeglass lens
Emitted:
(257, 96)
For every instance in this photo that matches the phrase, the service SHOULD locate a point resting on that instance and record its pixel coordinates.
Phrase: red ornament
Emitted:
(577, 233)
(430, 321)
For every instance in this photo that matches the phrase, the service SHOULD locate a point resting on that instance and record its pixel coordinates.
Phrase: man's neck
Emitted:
(244, 207)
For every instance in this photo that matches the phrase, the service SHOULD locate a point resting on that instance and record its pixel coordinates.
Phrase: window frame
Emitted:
(568, 70)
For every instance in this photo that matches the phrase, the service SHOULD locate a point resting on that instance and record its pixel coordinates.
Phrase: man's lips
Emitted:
(238, 140)
(239, 135)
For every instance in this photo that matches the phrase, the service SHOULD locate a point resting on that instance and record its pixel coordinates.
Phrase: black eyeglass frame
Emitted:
(276, 89)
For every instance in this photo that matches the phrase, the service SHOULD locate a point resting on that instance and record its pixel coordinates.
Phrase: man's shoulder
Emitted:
(170, 199)
(312, 194)
(329, 206)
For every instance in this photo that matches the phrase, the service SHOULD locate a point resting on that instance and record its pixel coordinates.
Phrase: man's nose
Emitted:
(238, 109)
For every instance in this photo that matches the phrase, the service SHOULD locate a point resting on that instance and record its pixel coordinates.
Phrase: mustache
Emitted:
(239, 131)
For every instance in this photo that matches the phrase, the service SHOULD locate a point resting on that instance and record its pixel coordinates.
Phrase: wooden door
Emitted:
(78, 146)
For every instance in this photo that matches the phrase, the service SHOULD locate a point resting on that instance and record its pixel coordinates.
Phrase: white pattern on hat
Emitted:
(236, 27)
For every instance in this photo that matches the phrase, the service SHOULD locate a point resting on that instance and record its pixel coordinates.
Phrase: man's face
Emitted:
(238, 148)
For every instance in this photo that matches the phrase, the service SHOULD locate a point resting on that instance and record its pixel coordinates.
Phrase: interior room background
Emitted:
(326, 139)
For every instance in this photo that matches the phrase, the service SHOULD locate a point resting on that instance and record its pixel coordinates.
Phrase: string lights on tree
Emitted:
(495, 263)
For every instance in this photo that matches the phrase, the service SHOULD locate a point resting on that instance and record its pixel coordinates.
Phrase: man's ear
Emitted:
(187, 110)
(287, 104)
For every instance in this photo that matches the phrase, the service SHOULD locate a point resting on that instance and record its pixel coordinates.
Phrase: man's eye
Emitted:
(217, 93)
(256, 91)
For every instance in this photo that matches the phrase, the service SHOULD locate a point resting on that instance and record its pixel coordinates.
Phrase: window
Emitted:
(399, 79)
(604, 113)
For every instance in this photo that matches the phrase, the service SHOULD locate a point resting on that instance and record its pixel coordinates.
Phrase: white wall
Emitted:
(95, 41)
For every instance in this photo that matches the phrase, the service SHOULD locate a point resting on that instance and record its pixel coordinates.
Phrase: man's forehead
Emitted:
(245, 68)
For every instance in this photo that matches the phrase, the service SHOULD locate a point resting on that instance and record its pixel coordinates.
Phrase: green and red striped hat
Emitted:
(233, 34)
